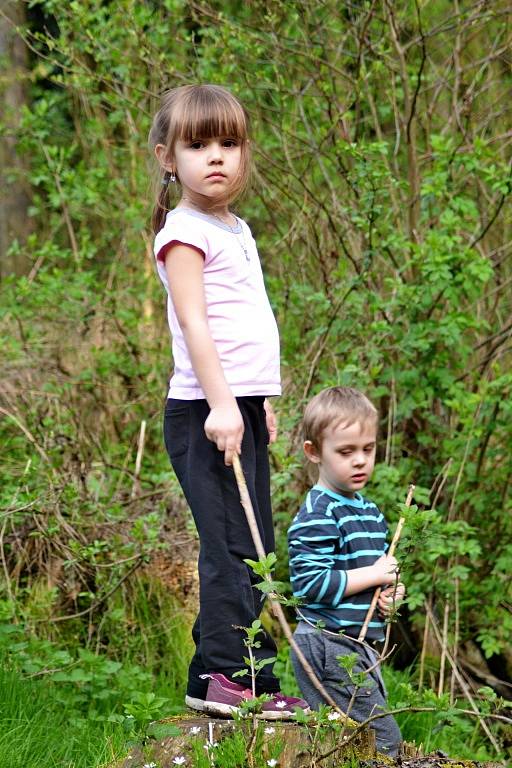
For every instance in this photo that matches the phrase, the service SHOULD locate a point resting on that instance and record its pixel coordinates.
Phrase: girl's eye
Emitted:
(196, 145)
(230, 143)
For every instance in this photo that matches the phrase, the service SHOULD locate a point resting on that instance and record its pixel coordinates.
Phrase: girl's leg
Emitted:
(228, 599)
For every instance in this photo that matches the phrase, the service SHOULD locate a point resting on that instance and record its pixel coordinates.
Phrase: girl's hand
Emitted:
(271, 420)
(225, 427)
(389, 598)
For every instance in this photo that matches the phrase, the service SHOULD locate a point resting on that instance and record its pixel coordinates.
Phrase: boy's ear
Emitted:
(311, 452)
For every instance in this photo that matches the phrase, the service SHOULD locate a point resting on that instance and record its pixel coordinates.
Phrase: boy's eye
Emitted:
(345, 452)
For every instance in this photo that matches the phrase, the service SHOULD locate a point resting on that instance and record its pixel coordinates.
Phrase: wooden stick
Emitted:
(276, 605)
(391, 552)
(424, 650)
(138, 460)
(444, 645)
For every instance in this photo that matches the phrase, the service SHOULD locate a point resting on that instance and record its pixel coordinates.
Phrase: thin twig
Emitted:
(391, 552)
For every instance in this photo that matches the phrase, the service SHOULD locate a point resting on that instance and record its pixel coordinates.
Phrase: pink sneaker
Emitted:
(224, 698)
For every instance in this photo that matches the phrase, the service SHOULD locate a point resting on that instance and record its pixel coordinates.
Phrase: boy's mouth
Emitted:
(359, 478)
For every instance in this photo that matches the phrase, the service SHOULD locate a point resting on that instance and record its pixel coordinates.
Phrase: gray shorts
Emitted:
(321, 650)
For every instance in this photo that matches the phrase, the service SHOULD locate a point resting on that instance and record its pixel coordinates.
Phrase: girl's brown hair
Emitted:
(199, 112)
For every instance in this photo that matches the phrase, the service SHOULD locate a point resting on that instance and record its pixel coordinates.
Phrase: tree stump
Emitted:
(291, 744)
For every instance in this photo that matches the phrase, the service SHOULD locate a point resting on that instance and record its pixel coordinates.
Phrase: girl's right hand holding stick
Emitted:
(225, 427)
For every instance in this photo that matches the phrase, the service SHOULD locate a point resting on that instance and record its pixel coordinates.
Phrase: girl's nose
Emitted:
(214, 153)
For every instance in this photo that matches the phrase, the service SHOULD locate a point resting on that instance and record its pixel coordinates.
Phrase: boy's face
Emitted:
(346, 458)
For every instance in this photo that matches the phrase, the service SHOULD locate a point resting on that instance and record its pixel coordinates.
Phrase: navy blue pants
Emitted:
(228, 599)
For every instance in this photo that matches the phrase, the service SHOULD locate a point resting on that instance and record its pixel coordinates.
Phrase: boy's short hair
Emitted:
(332, 406)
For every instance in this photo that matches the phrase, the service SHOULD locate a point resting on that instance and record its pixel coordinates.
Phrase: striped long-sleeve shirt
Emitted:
(330, 535)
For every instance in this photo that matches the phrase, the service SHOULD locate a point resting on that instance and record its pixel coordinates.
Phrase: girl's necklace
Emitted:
(241, 243)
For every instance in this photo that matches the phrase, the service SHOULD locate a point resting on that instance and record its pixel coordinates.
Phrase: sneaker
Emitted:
(224, 698)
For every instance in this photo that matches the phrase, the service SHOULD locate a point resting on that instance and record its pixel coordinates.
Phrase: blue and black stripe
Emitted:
(331, 535)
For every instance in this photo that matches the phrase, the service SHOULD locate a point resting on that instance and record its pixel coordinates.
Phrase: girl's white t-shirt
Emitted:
(240, 317)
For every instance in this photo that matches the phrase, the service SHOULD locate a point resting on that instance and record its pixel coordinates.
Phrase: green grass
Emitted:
(56, 696)
(457, 736)
(36, 730)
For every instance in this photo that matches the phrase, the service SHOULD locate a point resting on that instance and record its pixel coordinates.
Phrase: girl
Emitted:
(226, 363)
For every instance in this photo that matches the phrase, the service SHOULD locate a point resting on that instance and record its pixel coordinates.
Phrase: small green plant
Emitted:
(254, 666)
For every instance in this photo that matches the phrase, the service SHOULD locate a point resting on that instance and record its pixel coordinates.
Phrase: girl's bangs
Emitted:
(210, 117)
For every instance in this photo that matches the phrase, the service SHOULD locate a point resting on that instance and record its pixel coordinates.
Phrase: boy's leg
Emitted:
(227, 596)
(321, 651)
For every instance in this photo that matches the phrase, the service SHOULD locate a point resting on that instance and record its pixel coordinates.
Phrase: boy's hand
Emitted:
(271, 420)
(225, 427)
(387, 569)
(389, 598)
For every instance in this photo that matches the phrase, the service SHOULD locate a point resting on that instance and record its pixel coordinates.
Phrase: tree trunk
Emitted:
(298, 744)
(14, 188)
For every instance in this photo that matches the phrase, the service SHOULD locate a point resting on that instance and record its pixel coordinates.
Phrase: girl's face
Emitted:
(207, 167)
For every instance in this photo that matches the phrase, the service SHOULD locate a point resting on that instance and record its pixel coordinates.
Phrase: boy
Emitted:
(337, 559)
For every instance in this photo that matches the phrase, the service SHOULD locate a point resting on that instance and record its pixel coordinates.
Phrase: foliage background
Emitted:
(380, 205)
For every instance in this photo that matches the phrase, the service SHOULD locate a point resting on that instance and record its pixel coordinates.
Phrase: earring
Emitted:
(172, 177)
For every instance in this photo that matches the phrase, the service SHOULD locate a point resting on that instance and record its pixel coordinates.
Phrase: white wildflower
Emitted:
(211, 745)
(179, 760)
(195, 730)
(270, 730)
(149, 765)
(333, 716)
(272, 763)
(280, 704)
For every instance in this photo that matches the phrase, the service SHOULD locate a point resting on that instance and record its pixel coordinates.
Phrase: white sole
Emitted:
(224, 710)
(228, 710)
(193, 703)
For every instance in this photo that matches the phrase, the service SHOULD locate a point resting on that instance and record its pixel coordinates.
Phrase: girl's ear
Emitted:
(163, 157)
(311, 452)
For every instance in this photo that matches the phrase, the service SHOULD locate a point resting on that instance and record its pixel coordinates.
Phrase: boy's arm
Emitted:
(312, 546)
(224, 425)
(383, 571)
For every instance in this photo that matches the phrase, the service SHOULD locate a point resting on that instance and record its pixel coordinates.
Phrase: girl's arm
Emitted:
(224, 425)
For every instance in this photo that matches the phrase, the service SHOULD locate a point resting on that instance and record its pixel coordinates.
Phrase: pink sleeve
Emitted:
(184, 230)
